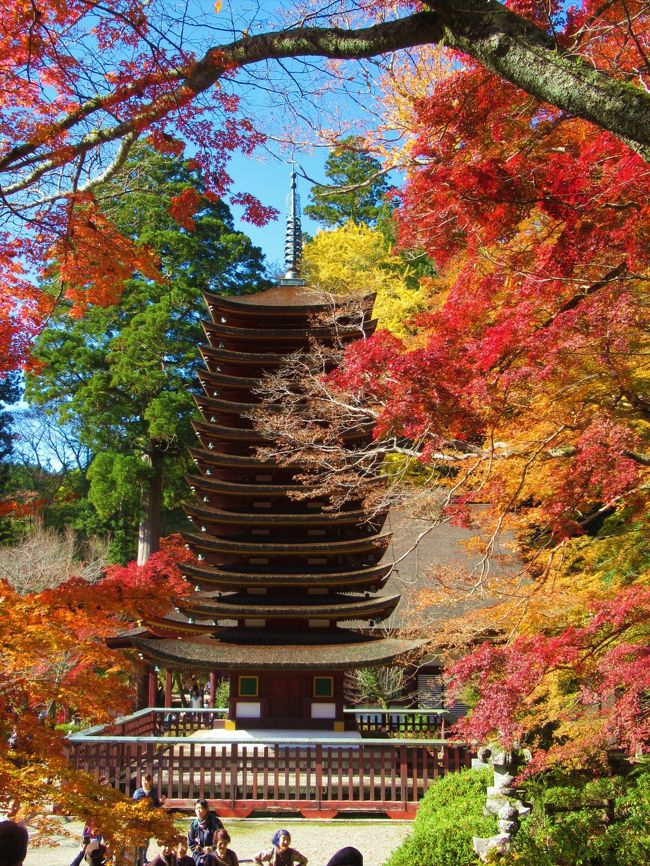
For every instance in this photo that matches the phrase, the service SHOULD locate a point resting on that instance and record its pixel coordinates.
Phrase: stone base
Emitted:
(500, 844)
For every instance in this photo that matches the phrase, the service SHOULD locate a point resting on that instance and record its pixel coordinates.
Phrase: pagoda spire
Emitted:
(293, 237)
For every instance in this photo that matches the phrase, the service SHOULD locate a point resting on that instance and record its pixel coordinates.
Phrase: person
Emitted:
(87, 839)
(201, 833)
(147, 792)
(182, 857)
(89, 832)
(281, 854)
(88, 835)
(13, 843)
(196, 700)
(346, 857)
(221, 854)
(166, 855)
(95, 853)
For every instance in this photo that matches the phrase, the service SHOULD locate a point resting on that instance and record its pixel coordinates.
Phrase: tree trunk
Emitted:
(149, 529)
(181, 688)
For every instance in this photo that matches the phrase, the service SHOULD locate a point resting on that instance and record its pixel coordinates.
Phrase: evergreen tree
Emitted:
(9, 393)
(365, 202)
(348, 165)
(125, 373)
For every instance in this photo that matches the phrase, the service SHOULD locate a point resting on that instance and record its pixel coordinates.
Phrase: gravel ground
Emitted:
(317, 840)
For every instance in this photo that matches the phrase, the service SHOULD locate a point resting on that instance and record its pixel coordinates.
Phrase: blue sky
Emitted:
(269, 181)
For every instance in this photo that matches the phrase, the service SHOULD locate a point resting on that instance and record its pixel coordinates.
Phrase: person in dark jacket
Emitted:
(200, 836)
(147, 793)
(95, 853)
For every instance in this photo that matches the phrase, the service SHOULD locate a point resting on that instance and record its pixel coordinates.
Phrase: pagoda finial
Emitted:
(293, 237)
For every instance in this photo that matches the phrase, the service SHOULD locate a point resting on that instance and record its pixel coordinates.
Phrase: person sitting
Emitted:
(13, 843)
(182, 857)
(221, 854)
(166, 855)
(202, 829)
(346, 857)
(281, 854)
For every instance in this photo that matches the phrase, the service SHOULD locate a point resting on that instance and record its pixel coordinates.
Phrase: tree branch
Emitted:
(499, 39)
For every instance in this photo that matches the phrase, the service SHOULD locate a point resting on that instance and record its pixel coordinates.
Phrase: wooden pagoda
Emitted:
(278, 580)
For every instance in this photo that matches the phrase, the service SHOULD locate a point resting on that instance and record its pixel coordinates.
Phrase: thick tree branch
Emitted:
(499, 39)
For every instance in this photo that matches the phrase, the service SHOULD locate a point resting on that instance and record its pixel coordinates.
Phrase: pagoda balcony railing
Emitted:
(311, 774)
(378, 722)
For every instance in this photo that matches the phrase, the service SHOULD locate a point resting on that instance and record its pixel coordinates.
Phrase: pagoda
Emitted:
(278, 580)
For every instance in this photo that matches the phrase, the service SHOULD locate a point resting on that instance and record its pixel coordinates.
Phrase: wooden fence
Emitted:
(316, 777)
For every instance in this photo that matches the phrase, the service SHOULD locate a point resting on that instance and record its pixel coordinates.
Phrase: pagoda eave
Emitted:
(217, 578)
(233, 488)
(332, 547)
(340, 608)
(230, 461)
(225, 407)
(206, 654)
(282, 302)
(241, 359)
(318, 518)
(239, 434)
(286, 335)
(225, 380)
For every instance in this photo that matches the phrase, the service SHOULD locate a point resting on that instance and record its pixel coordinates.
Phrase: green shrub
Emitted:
(69, 727)
(450, 813)
(570, 824)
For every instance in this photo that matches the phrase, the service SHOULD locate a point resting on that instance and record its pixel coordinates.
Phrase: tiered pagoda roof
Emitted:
(277, 578)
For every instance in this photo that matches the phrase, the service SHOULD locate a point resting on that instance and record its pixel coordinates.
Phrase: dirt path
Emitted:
(317, 840)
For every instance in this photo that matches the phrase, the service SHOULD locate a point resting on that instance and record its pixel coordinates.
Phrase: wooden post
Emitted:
(319, 775)
(152, 686)
(213, 688)
(168, 688)
(234, 770)
(403, 775)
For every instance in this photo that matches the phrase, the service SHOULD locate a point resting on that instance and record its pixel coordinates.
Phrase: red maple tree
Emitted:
(53, 662)
(527, 386)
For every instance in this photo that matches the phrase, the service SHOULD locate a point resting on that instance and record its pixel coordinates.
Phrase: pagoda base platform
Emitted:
(268, 736)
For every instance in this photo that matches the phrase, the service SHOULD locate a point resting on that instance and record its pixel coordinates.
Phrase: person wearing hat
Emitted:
(13, 843)
(281, 854)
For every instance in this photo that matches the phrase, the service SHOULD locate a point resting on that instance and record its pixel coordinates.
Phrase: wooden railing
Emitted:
(311, 775)
(400, 723)
(158, 721)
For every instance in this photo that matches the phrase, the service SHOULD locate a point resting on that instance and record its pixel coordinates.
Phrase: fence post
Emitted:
(234, 769)
(319, 774)
(403, 775)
